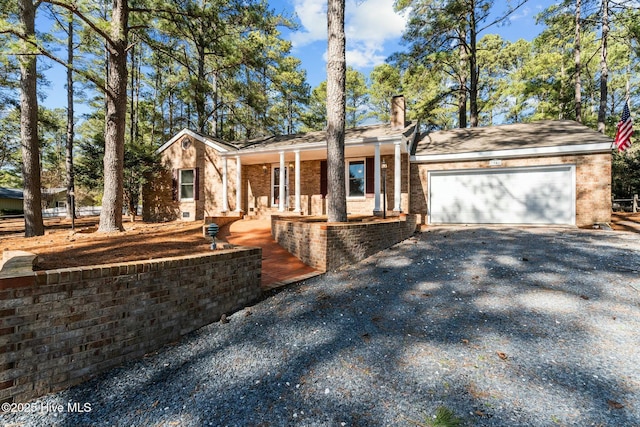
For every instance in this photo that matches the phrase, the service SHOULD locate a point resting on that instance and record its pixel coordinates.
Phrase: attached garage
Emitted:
(526, 195)
(547, 172)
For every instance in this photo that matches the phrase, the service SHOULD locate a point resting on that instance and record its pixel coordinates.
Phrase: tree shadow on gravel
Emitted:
(502, 326)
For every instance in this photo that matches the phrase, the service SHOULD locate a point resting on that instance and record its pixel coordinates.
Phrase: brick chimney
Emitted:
(398, 112)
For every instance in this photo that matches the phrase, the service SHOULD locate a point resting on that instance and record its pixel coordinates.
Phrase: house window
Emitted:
(357, 178)
(275, 186)
(187, 184)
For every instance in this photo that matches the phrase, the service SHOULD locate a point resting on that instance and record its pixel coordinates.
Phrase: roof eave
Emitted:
(592, 148)
(306, 146)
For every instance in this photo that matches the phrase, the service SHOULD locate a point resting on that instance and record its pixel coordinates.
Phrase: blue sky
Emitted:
(373, 31)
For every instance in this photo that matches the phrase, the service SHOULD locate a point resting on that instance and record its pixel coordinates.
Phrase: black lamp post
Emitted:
(384, 189)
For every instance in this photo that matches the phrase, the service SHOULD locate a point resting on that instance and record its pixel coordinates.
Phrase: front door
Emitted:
(275, 187)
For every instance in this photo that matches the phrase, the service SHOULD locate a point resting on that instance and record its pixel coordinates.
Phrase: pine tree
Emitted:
(336, 76)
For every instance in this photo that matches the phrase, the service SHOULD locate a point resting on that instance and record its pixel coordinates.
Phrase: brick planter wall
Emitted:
(61, 327)
(330, 246)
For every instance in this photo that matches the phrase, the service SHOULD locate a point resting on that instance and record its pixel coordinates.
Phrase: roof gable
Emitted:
(209, 141)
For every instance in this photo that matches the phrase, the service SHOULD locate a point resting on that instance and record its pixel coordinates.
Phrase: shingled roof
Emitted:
(370, 133)
(545, 133)
(11, 193)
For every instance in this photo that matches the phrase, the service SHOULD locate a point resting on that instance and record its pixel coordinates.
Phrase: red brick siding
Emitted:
(61, 327)
(158, 195)
(256, 187)
(330, 246)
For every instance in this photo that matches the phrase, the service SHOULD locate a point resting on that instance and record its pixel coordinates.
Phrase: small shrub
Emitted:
(444, 417)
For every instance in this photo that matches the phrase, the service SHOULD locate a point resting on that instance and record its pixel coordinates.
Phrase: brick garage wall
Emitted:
(593, 182)
(419, 191)
(593, 189)
(61, 327)
(330, 246)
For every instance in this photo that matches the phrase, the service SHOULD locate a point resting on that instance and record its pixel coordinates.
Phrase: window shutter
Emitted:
(196, 184)
(323, 178)
(174, 185)
(370, 170)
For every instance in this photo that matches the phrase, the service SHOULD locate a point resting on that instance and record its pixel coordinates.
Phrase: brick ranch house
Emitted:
(547, 172)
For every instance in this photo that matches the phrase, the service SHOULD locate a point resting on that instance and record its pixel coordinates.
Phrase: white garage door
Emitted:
(539, 195)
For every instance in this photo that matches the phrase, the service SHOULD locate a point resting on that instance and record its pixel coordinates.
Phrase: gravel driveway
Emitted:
(501, 326)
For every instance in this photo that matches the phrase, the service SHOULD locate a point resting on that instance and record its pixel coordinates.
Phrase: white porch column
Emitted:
(225, 202)
(376, 179)
(297, 209)
(397, 180)
(282, 193)
(238, 184)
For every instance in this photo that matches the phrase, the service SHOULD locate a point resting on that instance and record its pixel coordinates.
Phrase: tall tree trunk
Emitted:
(336, 105)
(70, 181)
(171, 108)
(462, 94)
(578, 92)
(289, 115)
(132, 100)
(138, 71)
(158, 103)
(216, 107)
(112, 199)
(33, 225)
(200, 92)
(628, 85)
(561, 94)
(473, 66)
(612, 104)
(604, 71)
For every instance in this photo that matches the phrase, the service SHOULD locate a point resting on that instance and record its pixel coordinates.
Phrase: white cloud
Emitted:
(313, 20)
(364, 57)
(369, 24)
(373, 21)
(520, 14)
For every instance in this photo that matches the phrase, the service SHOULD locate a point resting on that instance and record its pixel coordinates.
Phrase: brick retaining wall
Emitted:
(326, 246)
(61, 327)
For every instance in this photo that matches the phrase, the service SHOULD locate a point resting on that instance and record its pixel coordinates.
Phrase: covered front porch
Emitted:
(279, 267)
(289, 174)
